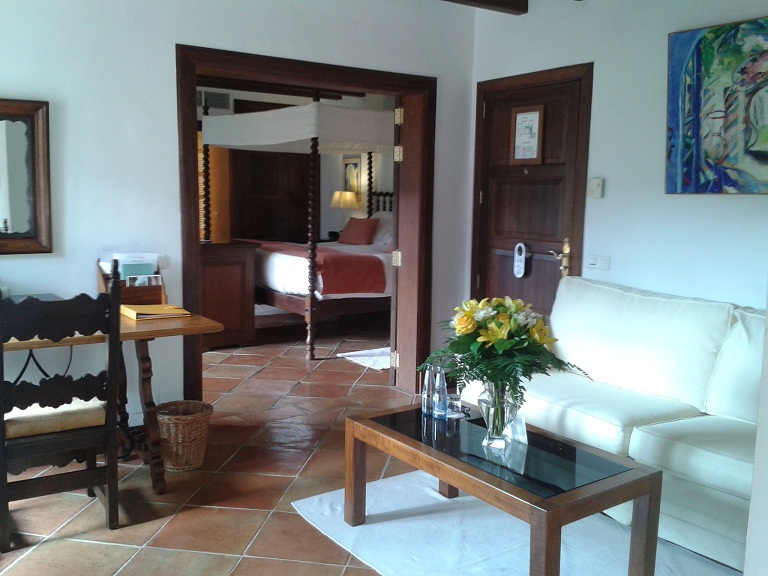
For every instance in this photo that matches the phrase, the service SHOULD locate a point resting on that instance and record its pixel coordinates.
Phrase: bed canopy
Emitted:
(338, 130)
(314, 129)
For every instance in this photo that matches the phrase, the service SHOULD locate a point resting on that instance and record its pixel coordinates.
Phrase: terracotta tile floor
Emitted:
(276, 435)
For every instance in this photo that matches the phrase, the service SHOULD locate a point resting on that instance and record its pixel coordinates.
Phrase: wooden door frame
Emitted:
(583, 74)
(414, 175)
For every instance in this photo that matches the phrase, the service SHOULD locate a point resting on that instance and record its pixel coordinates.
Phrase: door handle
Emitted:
(564, 258)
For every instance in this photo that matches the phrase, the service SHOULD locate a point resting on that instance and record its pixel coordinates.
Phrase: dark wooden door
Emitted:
(538, 202)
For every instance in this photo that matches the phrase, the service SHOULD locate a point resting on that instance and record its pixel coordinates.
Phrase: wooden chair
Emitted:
(61, 418)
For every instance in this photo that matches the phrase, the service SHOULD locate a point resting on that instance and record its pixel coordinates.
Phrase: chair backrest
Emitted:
(56, 320)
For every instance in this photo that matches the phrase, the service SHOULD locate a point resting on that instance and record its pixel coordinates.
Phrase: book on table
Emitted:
(152, 311)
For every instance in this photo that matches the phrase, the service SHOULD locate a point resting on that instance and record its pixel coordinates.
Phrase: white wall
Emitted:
(108, 69)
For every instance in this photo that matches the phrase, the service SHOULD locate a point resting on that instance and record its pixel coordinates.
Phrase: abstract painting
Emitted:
(351, 173)
(717, 110)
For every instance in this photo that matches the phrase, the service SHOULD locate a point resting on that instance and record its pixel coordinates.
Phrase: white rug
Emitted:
(411, 530)
(378, 358)
(266, 310)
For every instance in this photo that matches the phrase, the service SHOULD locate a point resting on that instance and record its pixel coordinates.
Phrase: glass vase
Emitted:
(499, 411)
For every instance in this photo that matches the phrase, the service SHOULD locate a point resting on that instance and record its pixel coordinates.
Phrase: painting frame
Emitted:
(525, 140)
(717, 109)
(351, 177)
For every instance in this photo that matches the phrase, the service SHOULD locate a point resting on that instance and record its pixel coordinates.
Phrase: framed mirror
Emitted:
(25, 199)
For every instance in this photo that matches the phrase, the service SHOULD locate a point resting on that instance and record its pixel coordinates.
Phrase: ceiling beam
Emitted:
(515, 7)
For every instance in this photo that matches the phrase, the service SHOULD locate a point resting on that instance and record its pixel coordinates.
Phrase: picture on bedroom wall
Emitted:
(352, 173)
(717, 110)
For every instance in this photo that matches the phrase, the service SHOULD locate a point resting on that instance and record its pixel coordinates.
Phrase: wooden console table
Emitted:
(141, 333)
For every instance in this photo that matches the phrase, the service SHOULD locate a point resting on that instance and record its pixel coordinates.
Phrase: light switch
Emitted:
(599, 262)
(595, 188)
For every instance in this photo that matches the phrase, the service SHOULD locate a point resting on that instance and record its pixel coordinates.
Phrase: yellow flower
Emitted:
(512, 306)
(540, 333)
(464, 319)
(467, 307)
(493, 333)
(464, 324)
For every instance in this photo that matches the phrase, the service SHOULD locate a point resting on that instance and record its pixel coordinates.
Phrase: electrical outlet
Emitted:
(595, 188)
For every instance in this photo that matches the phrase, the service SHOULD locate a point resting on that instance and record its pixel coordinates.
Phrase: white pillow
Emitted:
(384, 234)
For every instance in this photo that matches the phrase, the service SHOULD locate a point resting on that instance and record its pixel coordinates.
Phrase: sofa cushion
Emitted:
(652, 343)
(594, 412)
(735, 386)
(712, 451)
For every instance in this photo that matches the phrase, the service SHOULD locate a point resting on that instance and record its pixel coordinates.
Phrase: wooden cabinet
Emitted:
(269, 195)
(228, 293)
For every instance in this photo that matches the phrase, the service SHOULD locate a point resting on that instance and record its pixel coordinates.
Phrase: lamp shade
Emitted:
(345, 199)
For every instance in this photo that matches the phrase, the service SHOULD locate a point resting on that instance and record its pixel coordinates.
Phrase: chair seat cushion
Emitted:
(595, 413)
(713, 451)
(36, 420)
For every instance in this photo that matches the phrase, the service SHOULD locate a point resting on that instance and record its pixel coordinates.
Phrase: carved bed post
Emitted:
(314, 193)
(206, 188)
(370, 184)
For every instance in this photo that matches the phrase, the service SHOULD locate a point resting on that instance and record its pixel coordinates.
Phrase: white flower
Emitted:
(484, 312)
(526, 319)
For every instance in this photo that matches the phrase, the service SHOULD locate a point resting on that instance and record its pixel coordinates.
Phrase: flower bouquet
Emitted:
(502, 343)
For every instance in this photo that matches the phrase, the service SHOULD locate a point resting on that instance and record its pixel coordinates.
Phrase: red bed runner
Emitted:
(342, 273)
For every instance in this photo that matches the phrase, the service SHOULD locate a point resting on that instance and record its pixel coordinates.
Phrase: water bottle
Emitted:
(440, 394)
(427, 390)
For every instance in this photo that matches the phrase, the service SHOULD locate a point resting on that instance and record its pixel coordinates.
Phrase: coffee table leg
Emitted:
(354, 484)
(446, 490)
(545, 546)
(645, 530)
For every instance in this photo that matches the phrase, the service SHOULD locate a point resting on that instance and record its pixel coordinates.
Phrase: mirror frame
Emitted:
(40, 241)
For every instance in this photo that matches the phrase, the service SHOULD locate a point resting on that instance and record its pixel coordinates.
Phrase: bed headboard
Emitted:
(379, 202)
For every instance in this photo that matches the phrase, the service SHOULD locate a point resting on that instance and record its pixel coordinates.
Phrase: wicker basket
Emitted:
(184, 433)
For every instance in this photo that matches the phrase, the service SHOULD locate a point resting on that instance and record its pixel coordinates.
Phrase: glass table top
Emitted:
(545, 466)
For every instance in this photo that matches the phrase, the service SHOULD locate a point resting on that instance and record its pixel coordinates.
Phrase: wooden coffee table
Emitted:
(549, 483)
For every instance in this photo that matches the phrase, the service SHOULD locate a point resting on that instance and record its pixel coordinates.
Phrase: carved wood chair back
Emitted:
(61, 417)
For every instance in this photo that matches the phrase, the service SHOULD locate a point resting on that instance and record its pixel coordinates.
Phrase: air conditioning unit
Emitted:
(219, 103)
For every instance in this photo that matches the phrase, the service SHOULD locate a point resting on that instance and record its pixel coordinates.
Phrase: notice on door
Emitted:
(526, 135)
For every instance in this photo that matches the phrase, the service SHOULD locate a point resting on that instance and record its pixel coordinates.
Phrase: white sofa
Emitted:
(674, 384)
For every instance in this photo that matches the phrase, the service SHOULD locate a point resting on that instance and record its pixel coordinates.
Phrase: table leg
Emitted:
(354, 483)
(151, 427)
(645, 530)
(446, 490)
(545, 546)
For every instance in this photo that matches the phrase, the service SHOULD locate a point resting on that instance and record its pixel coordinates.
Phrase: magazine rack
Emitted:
(134, 294)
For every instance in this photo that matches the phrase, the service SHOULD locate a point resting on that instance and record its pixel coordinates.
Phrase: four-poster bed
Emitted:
(318, 129)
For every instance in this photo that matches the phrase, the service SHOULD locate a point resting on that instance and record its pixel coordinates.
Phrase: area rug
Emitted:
(411, 530)
(267, 310)
(378, 358)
